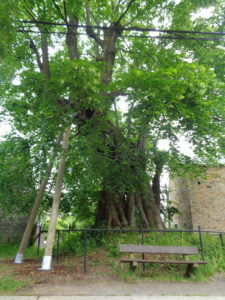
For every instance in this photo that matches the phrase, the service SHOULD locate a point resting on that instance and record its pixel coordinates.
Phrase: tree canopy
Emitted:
(69, 61)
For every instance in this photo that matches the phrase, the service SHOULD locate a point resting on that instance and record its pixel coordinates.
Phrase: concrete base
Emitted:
(46, 263)
(19, 258)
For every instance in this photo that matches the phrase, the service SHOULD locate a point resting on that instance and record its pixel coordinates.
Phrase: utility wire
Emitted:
(127, 36)
(120, 28)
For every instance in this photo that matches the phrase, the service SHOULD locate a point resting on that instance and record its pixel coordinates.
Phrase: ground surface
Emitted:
(69, 279)
(106, 286)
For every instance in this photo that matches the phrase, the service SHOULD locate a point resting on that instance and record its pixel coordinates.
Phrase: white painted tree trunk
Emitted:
(46, 262)
(37, 202)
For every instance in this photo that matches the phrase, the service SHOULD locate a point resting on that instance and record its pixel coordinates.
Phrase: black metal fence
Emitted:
(141, 231)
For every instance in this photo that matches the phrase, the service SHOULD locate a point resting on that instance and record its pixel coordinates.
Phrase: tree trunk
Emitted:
(156, 188)
(34, 211)
(46, 263)
(131, 210)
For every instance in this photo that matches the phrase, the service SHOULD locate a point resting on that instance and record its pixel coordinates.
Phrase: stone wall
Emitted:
(12, 228)
(180, 195)
(200, 201)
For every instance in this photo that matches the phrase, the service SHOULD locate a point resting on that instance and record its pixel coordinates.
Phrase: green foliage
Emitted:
(8, 251)
(8, 284)
(16, 181)
(173, 88)
(73, 243)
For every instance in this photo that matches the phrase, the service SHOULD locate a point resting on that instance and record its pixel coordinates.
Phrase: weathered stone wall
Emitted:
(180, 194)
(201, 201)
(12, 228)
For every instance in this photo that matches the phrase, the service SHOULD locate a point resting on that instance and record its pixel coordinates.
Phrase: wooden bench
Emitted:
(157, 250)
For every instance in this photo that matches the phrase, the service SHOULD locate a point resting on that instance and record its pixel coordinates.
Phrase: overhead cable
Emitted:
(174, 37)
(120, 28)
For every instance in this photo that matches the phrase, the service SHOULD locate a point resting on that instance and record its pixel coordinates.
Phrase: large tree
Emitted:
(74, 60)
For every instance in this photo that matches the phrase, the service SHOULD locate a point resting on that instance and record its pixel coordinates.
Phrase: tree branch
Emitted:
(65, 10)
(59, 11)
(38, 57)
(45, 56)
(126, 10)
(132, 20)
(71, 38)
(90, 30)
(30, 13)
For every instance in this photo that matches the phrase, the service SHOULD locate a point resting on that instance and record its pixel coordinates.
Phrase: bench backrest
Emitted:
(129, 248)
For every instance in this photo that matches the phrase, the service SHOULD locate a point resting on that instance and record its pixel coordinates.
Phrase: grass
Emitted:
(109, 241)
(8, 284)
(8, 251)
(72, 246)
(213, 252)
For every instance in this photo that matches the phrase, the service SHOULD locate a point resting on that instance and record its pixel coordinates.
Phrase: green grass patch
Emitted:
(9, 284)
(213, 251)
(9, 252)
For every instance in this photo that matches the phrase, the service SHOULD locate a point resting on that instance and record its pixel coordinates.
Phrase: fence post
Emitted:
(39, 240)
(85, 251)
(201, 242)
(57, 250)
(221, 238)
(143, 255)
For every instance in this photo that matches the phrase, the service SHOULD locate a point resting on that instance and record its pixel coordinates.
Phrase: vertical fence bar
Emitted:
(57, 250)
(39, 240)
(201, 242)
(85, 251)
(143, 255)
(221, 239)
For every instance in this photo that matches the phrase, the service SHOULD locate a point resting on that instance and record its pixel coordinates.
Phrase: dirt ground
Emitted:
(69, 279)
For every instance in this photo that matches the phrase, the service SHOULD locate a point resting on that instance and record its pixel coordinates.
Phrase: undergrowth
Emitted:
(72, 244)
(214, 253)
(8, 251)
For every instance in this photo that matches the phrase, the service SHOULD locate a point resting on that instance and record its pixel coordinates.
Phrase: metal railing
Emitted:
(142, 231)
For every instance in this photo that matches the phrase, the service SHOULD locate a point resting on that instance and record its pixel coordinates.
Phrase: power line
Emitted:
(120, 28)
(127, 36)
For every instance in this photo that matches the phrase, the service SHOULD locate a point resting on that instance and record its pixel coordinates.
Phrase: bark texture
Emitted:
(57, 195)
(29, 227)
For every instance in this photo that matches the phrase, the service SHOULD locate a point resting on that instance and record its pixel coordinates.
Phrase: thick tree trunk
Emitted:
(34, 211)
(143, 215)
(153, 209)
(46, 263)
(156, 188)
(131, 210)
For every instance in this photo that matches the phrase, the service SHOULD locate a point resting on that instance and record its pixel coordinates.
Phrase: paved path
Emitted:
(96, 287)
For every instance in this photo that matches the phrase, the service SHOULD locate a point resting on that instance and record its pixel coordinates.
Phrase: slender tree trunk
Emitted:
(34, 211)
(46, 263)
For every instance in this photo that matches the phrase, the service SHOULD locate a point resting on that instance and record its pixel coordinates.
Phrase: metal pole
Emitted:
(39, 240)
(201, 242)
(57, 250)
(143, 255)
(221, 238)
(85, 251)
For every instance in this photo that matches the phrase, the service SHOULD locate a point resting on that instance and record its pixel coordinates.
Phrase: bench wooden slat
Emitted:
(130, 248)
(163, 261)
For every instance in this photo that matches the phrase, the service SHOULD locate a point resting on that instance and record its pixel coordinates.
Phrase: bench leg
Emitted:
(133, 265)
(190, 269)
